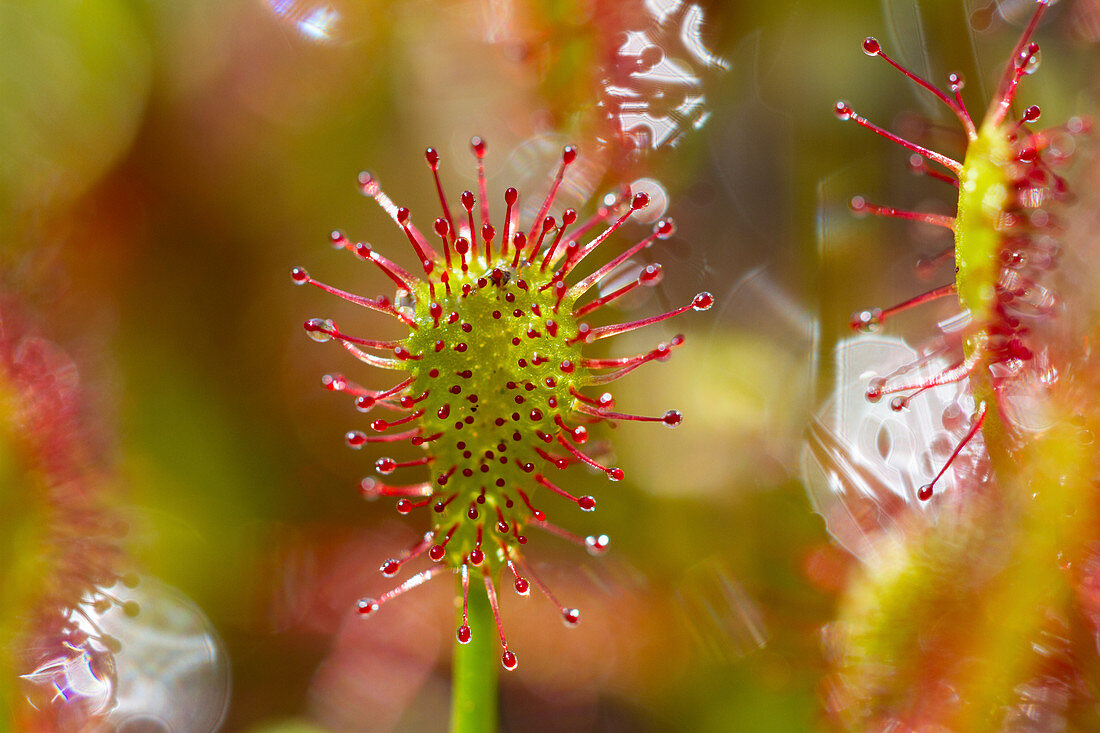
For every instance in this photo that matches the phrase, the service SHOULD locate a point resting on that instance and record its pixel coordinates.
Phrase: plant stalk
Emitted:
(476, 666)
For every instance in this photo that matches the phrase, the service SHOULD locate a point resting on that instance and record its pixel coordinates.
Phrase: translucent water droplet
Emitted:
(320, 329)
(597, 544)
(368, 184)
(1030, 59)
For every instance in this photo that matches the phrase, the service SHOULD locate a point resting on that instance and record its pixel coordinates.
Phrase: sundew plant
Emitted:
(652, 396)
(499, 391)
(966, 613)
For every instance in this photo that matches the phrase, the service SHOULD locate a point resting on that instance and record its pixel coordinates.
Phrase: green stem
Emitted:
(476, 665)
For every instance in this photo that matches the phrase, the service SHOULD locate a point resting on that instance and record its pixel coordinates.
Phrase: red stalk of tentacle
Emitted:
(845, 112)
(568, 155)
(700, 302)
(379, 306)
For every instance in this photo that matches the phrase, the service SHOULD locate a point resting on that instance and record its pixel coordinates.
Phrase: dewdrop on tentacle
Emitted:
(1002, 232)
(498, 392)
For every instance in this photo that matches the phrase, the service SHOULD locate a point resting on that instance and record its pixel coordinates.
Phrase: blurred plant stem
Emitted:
(474, 682)
(10, 602)
(1050, 497)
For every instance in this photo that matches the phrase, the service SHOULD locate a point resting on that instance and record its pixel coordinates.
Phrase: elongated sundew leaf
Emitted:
(965, 617)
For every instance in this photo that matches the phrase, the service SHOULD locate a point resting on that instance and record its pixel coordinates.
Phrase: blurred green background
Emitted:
(163, 164)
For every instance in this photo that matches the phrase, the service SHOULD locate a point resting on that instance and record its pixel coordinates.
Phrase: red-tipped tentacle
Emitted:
(462, 246)
(640, 201)
(357, 438)
(364, 251)
(438, 551)
(371, 359)
(1017, 67)
(425, 254)
(464, 634)
(919, 165)
(522, 586)
(391, 269)
(660, 351)
(328, 327)
(845, 112)
(570, 616)
(368, 606)
(877, 387)
(370, 186)
(558, 462)
(445, 231)
(368, 398)
(507, 658)
(672, 418)
(547, 224)
(860, 205)
(662, 229)
(872, 47)
(386, 465)
(511, 196)
(650, 275)
(567, 218)
(392, 566)
(381, 305)
(372, 488)
(634, 363)
(538, 514)
(519, 244)
(479, 147)
(594, 544)
(615, 474)
(604, 212)
(468, 204)
(380, 425)
(487, 234)
(433, 162)
(568, 155)
(701, 302)
(587, 503)
(604, 401)
(924, 493)
(868, 319)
